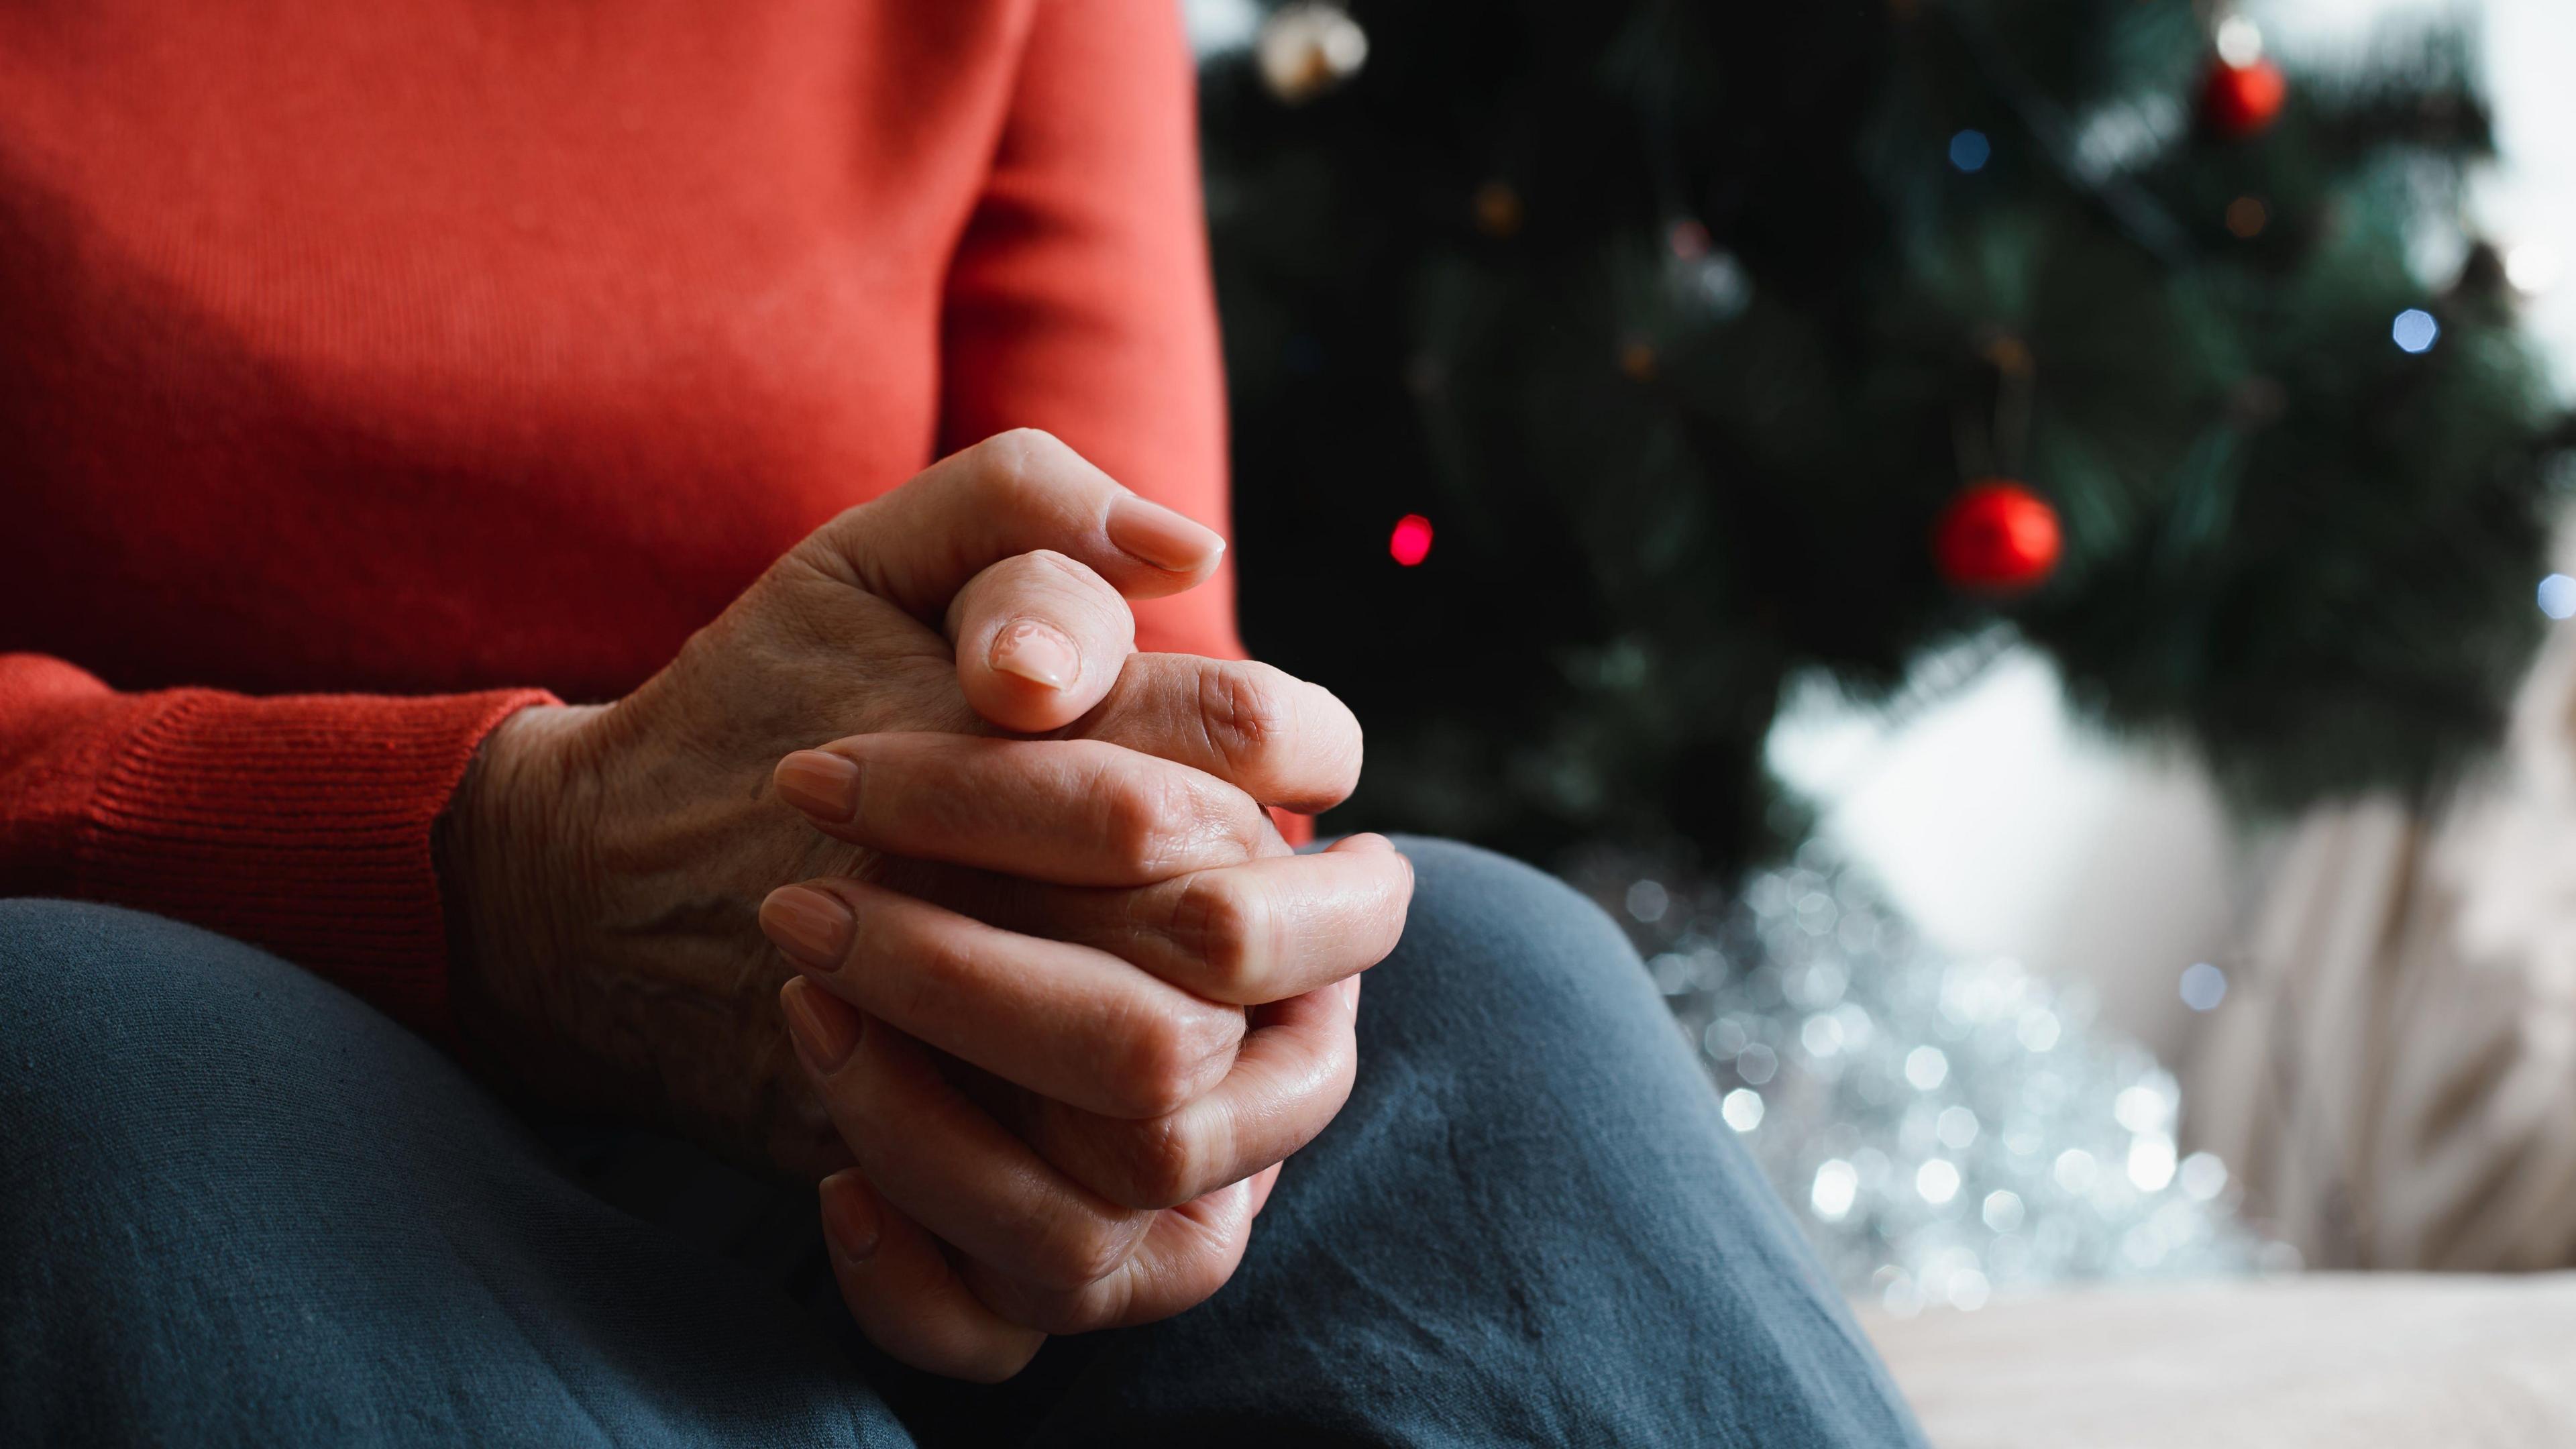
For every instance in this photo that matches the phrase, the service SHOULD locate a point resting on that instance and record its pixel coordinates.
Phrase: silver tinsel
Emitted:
(1943, 1129)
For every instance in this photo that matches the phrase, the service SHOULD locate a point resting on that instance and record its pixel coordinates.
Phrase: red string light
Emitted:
(1410, 544)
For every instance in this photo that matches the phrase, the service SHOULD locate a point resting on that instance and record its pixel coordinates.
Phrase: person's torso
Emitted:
(455, 343)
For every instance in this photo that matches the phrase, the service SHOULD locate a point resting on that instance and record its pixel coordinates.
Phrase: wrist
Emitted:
(501, 850)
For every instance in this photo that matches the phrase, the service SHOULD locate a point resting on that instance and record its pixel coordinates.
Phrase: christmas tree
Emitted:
(1596, 368)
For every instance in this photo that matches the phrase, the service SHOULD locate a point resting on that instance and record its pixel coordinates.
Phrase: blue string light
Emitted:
(2558, 596)
(2416, 331)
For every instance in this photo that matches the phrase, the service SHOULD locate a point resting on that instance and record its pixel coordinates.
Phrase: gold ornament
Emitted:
(1305, 50)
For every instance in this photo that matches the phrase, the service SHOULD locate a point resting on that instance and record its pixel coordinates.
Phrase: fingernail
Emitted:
(1161, 537)
(1037, 653)
(825, 1031)
(809, 925)
(822, 785)
(850, 1215)
(1351, 991)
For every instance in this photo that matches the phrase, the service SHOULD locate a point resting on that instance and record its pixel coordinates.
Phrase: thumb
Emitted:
(1040, 639)
(1013, 493)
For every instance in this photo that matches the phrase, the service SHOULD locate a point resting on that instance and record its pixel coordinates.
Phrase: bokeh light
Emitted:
(1837, 1184)
(2151, 1161)
(2074, 1171)
(2203, 986)
(2240, 41)
(1821, 1035)
(2558, 596)
(2533, 267)
(1944, 1128)
(2142, 1108)
(2416, 331)
(1957, 1127)
(1742, 1109)
(1970, 151)
(1410, 544)
(2203, 1176)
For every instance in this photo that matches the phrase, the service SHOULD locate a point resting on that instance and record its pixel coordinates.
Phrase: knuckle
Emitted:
(1205, 1270)
(1001, 472)
(826, 553)
(1248, 718)
(1069, 1311)
(1047, 563)
(1012, 467)
(1159, 1164)
(1159, 1071)
(1167, 1060)
(1147, 821)
(1223, 927)
(918, 974)
(1087, 1251)
(1032, 445)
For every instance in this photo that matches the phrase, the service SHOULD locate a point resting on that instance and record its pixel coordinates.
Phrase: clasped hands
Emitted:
(1061, 998)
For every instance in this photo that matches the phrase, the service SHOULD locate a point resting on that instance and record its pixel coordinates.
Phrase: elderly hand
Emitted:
(1091, 1141)
(1064, 930)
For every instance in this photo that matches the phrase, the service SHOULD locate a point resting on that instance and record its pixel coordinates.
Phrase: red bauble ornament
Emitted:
(2244, 100)
(1996, 537)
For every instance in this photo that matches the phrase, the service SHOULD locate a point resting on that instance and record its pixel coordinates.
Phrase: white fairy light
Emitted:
(2240, 41)
(2533, 267)
(1742, 1109)
(1837, 1185)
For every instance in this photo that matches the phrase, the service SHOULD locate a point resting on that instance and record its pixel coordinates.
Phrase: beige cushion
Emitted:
(2351, 1361)
(2393, 1079)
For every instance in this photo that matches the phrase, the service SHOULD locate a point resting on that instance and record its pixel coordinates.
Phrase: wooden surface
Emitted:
(2345, 1360)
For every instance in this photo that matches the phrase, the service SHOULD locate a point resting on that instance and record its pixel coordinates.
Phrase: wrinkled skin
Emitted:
(1077, 935)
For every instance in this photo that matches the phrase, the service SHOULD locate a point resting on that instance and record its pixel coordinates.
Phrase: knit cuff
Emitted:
(300, 824)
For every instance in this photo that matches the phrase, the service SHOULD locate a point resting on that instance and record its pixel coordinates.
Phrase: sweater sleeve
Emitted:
(299, 823)
(1079, 300)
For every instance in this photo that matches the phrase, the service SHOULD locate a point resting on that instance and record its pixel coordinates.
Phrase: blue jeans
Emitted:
(240, 1207)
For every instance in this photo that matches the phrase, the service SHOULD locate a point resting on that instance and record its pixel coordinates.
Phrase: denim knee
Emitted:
(1470, 894)
(53, 951)
(245, 1208)
(128, 1033)
(77, 978)
(39, 938)
(1534, 1190)
(1498, 956)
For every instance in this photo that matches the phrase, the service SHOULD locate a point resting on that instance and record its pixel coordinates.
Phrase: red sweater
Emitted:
(367, 370)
